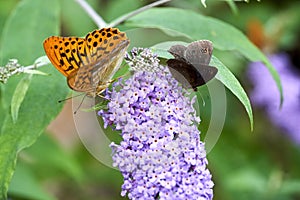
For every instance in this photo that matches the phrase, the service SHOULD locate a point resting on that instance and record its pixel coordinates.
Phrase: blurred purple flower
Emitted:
(161, 155)
(265, 93)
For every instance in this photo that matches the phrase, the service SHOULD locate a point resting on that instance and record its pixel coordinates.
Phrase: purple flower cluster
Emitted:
(265, 93)
(161, 155)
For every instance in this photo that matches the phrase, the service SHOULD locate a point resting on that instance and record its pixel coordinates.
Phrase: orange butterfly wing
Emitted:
(59, 51)
(88, 63)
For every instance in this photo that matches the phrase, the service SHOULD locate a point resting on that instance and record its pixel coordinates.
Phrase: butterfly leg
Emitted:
(103, 97)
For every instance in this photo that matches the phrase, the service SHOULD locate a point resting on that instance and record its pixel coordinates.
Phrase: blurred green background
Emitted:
(263, 164)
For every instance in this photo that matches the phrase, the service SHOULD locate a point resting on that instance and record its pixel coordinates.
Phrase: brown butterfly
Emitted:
(190, 65)
(88, 63)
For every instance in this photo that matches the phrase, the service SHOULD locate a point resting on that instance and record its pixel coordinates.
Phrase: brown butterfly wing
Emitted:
(206, 72)
(192, 63)
(185, 73)
(177, 51)
(199, 52)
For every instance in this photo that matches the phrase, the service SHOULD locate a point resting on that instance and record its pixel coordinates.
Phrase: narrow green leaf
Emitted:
(224, 75)
(230, 81)
(100, 106)
(179, 22)
(39, 62)
(37, 72)
(18, 96)
(42, 59)
(203, 3)
(233, 6)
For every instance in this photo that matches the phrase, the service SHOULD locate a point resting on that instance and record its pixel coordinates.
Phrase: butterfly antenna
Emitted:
(59, 101)
(80, 104)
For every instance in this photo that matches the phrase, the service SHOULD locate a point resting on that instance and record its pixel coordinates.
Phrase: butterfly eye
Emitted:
(204, 50)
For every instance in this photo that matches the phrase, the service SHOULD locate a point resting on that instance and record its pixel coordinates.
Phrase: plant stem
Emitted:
(133, 13)
(92, 13)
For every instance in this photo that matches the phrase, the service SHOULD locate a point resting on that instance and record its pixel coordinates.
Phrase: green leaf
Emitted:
(37, 72)
(233, 6)
(203, 3)
(118, 8)
(102, 105)
(39, 62)
(231, 82)
(19, 95)
(25, 184)
(247, 179)
(179, 22)
(290, 186)
(224, 75)
(51, 158)
(22, 38)
(76, 20)
(43, 60)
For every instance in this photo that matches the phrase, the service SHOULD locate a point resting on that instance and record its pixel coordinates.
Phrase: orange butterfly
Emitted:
(88, 63)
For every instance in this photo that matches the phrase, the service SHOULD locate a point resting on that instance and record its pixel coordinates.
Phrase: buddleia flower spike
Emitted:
(160, 155)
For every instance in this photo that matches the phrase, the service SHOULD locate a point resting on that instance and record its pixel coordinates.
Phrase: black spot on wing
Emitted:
(70, 68)
(115, 31)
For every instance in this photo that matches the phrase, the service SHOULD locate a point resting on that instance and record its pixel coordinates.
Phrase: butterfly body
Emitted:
(190, 65)
(88, 63)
